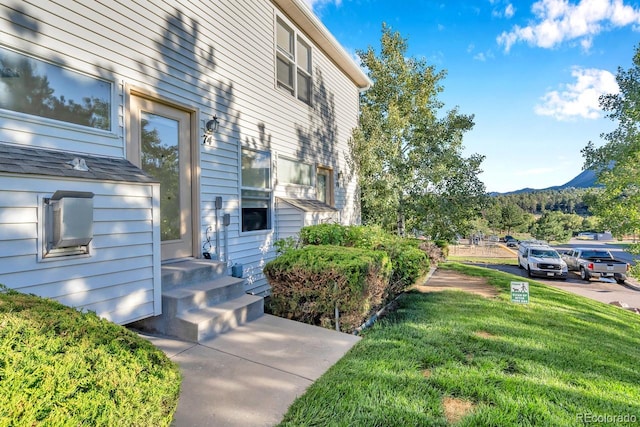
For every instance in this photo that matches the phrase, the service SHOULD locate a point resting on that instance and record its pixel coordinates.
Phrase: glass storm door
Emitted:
(324, 185)
(161, 138)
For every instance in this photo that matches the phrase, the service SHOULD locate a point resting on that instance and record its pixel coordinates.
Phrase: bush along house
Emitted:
(151, 152)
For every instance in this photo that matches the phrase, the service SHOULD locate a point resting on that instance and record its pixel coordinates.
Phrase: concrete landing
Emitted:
(250, 375)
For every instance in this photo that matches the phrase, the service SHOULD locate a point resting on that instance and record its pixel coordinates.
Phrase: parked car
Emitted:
(512, 243)
(596, 263)
(507, 237)
(541, 260)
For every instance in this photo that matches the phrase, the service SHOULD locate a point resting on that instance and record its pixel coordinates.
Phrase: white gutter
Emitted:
(299, 12)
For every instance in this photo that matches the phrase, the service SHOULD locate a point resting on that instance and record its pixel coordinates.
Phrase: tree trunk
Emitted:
(401, 224)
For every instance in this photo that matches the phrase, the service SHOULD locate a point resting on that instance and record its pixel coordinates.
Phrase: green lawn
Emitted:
(561, 360)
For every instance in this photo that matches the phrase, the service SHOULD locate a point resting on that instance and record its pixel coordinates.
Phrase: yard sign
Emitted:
(520, 292)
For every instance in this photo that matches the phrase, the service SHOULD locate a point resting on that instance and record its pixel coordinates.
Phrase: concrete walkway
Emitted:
(250, 375)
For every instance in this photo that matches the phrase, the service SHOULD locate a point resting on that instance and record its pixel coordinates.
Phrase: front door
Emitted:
(161, 146)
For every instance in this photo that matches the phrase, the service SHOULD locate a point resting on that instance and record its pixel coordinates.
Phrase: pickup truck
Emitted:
(595, 263)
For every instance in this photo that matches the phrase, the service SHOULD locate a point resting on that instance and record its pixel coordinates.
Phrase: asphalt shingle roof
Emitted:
(309, 205)
(41, 161)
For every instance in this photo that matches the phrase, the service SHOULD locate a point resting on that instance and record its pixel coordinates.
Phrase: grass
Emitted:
(62, 367)
(455, 358)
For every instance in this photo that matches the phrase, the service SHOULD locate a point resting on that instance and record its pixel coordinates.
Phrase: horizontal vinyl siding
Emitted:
(116, 280)
(215, 57)
(289, 220)
(315, 218)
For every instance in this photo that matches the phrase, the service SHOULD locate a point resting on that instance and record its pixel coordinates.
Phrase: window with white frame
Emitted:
(293, 62)
(256, 190)
(294, 172)
(32, 86)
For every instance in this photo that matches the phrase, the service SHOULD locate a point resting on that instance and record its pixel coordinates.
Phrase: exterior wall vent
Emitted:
(69, 223)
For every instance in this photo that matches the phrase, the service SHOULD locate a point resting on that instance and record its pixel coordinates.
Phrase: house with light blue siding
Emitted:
(154, 149)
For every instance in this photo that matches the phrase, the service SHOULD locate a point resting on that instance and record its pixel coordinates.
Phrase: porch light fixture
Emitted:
(210, 128)
(213, 124)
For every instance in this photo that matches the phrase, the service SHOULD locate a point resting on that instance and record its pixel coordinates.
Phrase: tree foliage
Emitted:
(618, 161)
(161, 160)
(566, 200)
(29, 90)
(407, 152)
(556, 226)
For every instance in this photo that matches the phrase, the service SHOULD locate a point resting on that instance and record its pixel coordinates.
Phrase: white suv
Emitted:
(541, 260)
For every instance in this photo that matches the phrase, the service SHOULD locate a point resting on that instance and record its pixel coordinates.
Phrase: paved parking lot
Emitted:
(602, 290)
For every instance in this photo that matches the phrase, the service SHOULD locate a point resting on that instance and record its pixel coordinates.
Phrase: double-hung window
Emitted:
(293, 62)
(256, 190)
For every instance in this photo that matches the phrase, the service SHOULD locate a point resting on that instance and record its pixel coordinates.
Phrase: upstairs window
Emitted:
(293, 63)
(31, 86)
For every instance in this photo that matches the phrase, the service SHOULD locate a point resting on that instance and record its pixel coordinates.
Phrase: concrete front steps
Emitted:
(200, 301)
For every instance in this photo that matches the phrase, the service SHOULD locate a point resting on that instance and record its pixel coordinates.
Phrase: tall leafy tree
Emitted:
(618, 161)
(556, 226)
(512, 216)
(407, 151)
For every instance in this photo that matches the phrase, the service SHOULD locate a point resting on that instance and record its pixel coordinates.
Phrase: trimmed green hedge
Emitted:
(408, 261)
(306, 284)
(59, 366)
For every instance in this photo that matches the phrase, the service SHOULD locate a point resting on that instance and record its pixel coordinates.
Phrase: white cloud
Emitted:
(581, 98)
(557, 21)
(483, 56)
(507, 12)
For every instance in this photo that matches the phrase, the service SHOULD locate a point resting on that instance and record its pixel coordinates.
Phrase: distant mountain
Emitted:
(586, 179)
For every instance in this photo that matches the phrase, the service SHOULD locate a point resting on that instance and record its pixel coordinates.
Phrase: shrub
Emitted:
(358, 236)
(306, 284)
(286, 244)
(444, 246)
(436, 251)
(59, 366)
(408, 261)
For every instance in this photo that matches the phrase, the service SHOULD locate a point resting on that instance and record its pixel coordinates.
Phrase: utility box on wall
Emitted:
(69, 222)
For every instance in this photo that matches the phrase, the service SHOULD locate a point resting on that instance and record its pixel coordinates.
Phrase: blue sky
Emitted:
(530, 72)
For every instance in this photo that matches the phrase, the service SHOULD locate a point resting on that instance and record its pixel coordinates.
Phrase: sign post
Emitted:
(520, 292)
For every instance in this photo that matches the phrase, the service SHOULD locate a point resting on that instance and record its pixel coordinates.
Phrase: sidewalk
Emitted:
(632, 283)
(252, 374)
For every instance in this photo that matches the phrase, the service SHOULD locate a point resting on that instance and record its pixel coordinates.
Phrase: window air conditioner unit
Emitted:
(72, 221)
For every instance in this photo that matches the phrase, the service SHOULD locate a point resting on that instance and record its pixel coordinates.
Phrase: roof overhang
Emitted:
(307, 21)
(308, 205)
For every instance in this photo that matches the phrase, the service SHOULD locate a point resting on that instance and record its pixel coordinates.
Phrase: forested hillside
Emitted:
(568, 200)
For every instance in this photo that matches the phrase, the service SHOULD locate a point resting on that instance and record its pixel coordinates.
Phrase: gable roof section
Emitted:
(300, 13)
(40, 161)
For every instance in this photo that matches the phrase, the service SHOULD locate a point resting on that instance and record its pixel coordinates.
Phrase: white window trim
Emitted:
(271, 210)
(312, 165)
(297, 35)
(61, 124)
